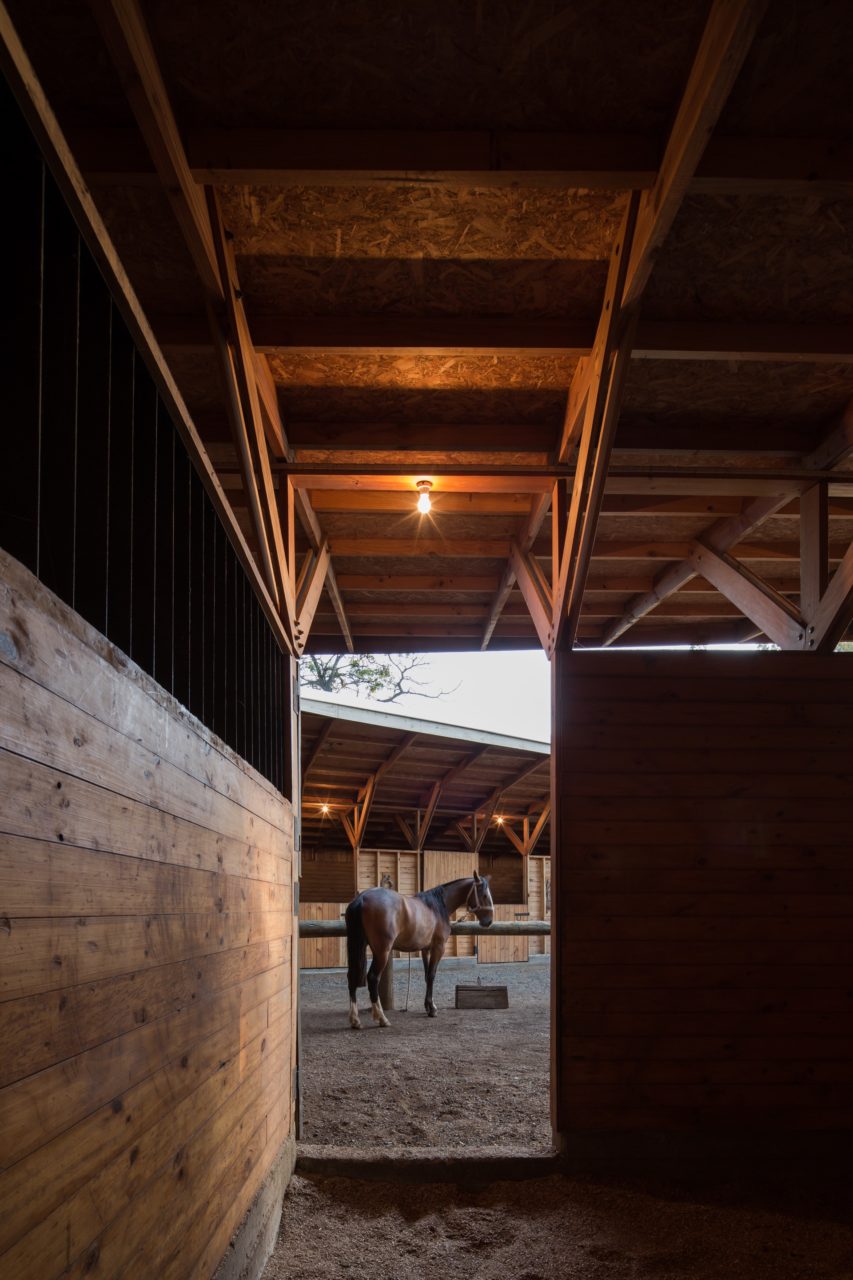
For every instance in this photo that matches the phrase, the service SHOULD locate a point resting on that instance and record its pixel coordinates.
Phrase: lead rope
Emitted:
(408, 984)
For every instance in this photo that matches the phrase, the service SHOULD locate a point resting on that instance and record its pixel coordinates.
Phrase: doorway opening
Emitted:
(407, 797)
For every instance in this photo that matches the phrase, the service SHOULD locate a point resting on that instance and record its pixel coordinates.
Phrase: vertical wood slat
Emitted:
(101, 499)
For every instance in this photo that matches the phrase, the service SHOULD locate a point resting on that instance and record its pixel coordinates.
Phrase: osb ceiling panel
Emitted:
(782, 92)
(423, 286)
(405, 404)
(411, 525)
(486, 372)
(697, 390)
(425, 221)
(756, 258)
(434, 64)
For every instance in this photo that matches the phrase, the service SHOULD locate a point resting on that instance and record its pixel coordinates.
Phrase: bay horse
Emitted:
(387, 921)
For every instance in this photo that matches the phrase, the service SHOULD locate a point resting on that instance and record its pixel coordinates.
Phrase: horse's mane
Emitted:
(435, 897)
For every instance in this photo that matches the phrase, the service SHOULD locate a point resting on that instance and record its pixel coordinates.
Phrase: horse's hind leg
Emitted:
(435, 954)
(374, 973)
(354, 1020)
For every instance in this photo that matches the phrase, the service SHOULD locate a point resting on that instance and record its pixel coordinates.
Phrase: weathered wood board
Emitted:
(146, 1000)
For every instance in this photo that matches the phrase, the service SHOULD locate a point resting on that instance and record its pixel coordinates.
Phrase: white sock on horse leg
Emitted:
(353, 1016)
(379, 1014)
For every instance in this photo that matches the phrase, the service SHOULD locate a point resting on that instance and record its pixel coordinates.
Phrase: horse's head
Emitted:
(480, 901)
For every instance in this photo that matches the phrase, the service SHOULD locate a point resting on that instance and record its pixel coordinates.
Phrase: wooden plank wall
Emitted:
(439, 867)
(704, 888)
(506, 874)
(326, 876)
(146, 996)
(539, 900)
(504, 949)
(398, 868)
(322, 953)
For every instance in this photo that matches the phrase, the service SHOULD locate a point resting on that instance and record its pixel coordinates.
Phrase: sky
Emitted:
(501, 692)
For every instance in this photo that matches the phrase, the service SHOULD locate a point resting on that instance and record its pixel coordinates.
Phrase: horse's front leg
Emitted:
(374, 973)
(435, 954)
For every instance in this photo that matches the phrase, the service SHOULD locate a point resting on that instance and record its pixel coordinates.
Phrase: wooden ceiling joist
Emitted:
(285, 157)
(708, 340)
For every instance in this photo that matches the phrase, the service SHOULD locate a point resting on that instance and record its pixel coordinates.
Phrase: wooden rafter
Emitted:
(237, 359)
(325, 734)
(126, 35)
(536, 591)
(591, 417)
(814, 546)
(728, 533)
(834, 613)
(408, 833)
(308, 595)
(267, 157)
(425, 822)
(722, 535)
(770, 610)
(726, 39)
(355, 827)
(530, 839)
(525, 542)
(454, 336)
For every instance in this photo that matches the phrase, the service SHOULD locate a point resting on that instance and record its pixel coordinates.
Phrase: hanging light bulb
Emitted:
(423, 487)
(324, 809)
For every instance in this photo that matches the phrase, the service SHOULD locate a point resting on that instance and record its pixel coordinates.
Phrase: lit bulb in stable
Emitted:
(424, 503)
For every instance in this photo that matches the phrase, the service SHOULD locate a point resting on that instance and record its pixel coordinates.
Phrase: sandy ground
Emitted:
(554, 1228)
(466, 1078)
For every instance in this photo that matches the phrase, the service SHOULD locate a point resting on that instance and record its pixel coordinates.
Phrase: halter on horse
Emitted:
(386, 921)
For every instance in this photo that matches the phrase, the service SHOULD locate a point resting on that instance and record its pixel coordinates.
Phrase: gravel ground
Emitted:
(466, 1078)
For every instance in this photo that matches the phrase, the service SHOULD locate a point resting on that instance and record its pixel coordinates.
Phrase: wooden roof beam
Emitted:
(126, 36)
(525, 542)
(727, 533)
(722, 535)
(591, 416)
(284, 157)
(834, 613)
(777, 618)
(308, 596)
(363, 335)
(725, 42)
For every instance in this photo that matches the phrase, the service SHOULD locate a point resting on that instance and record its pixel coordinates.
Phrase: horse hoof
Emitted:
(432, 1013)
(355, 1026)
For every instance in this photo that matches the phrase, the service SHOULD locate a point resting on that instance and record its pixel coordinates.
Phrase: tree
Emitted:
(383, 678)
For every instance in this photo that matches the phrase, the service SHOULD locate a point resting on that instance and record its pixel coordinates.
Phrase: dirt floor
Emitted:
(553, 1229)
(466, 1078)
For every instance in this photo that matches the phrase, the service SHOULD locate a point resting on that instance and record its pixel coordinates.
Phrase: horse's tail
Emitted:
(356, 944)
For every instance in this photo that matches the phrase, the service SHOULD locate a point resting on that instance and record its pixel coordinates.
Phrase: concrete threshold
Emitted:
(478, 1166)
